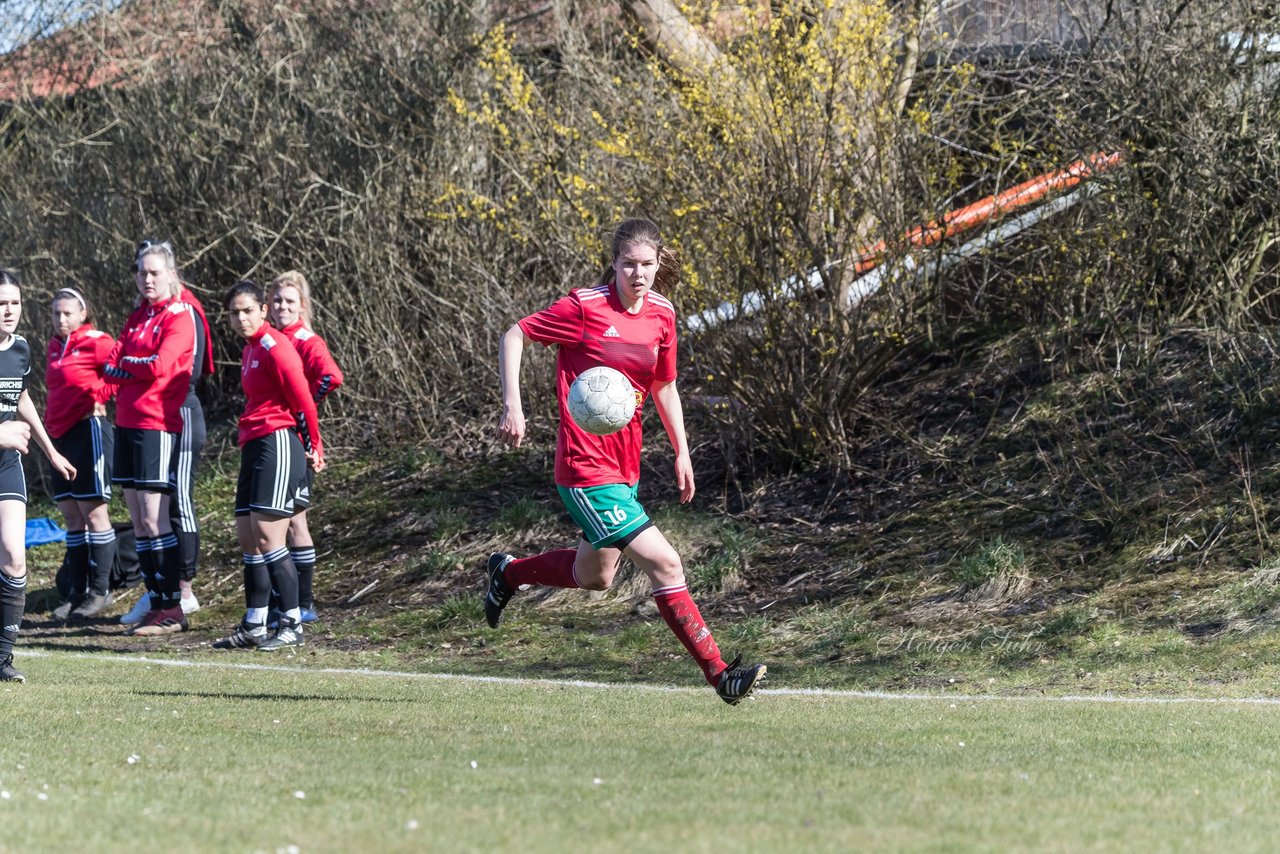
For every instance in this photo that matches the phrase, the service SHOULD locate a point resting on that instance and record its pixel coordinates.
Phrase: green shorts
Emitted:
(609, 515)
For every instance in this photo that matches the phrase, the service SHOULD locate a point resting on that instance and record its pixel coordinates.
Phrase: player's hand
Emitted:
(315, 459)
(14, 436)
(99, 409)
(511, 426)
(63, 466)
(684, 478)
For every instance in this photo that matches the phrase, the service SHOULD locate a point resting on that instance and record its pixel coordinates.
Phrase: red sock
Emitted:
(550, 569)
(677, 608)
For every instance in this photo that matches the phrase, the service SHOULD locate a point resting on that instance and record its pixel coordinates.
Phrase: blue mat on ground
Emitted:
(44, 530)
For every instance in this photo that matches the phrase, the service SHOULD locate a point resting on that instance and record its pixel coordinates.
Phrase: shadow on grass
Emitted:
(233, 695)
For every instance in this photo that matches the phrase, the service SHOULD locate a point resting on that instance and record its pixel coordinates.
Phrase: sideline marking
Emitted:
(613, 686)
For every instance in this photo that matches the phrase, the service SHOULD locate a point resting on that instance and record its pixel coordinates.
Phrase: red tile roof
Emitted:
(110, 48)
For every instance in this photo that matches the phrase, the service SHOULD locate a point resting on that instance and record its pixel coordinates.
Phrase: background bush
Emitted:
(440, 168)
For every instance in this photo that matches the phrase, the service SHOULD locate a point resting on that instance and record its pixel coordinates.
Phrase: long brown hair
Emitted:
(643, 232)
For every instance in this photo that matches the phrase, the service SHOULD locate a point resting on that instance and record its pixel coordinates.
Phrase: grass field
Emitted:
(103, 751)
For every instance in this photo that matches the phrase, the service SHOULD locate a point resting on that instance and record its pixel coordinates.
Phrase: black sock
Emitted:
(304, 561)
(147, 558)
(168, 570)
(189, 549)
(102, 556)
(13, 602)
(77, 563)
(257, 583)
(284, 578)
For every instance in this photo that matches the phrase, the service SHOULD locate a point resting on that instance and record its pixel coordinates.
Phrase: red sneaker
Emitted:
(163, 622)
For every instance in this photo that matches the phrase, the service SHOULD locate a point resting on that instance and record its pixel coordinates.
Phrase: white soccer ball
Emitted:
(602, 400)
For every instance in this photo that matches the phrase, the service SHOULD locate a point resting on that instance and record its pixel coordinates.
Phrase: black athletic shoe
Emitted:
(288, 633)
(92, 606)
(737, 682)
(498, 594)
(8, 673)
(63, 611)
(246, 636)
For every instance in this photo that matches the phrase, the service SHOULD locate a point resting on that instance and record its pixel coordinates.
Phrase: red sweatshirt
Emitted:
(323, 373)
(152, 365)
(275, 390)
(74, 378)
(204, 345)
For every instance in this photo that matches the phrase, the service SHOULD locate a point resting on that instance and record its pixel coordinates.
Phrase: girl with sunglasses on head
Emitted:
(75, 415)
(16, 405)
(290, 301)
(151, 366)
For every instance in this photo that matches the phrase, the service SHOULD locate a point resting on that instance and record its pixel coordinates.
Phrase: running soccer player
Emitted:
(290, 299)
(75, 415)
(151, 367)
(16, 404)
(278, 410)
(623, 322)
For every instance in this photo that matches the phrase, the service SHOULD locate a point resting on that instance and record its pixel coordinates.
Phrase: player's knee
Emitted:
(597, 582)
(669, 572)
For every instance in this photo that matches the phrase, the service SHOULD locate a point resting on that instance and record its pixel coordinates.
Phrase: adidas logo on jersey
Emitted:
(612, 332)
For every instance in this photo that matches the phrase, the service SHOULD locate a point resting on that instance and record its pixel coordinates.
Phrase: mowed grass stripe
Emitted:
(386, 764)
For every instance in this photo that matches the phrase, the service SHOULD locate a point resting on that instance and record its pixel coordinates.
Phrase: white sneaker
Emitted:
(190, 604)
(140, 609)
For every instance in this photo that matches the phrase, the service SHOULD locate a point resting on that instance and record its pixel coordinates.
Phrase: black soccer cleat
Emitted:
(498, 594)
(246, 636)
(9, 673)
(737, 682)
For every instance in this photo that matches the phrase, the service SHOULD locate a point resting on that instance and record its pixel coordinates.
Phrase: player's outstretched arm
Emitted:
(511, 425)
(666, 399)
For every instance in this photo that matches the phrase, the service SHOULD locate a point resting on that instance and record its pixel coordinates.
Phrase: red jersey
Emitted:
(592, 328)
(152, 363)
(204, 336)
(275, 390)
(323, 373)
(73, 377)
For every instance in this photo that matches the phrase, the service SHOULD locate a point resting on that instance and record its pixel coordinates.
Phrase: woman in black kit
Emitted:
(16, 405)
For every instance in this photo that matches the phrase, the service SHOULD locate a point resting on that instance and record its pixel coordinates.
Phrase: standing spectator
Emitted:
(151, 364)
(75, 415)
(182, 509)
(16, 405)
(290, 299)
(279, 437)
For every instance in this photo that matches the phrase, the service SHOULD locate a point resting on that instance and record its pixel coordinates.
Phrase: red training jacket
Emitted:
(206, 362)
(151, 363)
(275, 390)
(73, 377)
(323, 373)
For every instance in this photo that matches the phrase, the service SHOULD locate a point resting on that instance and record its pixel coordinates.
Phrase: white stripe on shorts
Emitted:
(99, 458)
(599, 529)
(186, 510)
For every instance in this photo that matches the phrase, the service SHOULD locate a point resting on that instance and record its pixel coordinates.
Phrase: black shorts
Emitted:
(308, 484)
(87, 446)
(145, 459)
(13, 483)
(190, 444)
(272, 474)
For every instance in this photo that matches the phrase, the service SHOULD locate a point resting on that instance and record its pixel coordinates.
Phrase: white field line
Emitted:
(580, 683)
